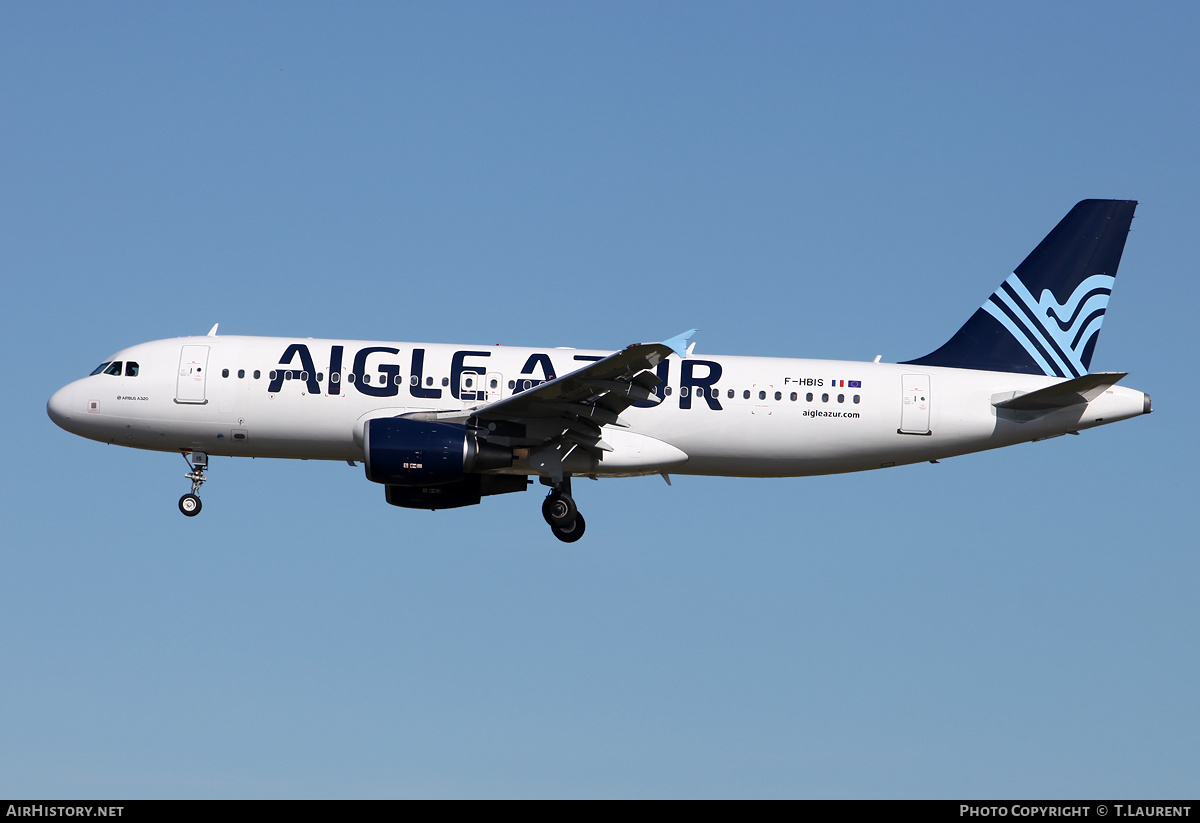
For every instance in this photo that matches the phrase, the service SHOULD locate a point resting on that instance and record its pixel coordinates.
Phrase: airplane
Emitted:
(443, 426)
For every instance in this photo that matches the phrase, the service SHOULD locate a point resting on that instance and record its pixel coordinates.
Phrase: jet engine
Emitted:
(406, 452)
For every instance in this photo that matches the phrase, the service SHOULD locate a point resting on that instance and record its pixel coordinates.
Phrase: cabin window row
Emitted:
(809, 397)
(335, 377)
(468, 383)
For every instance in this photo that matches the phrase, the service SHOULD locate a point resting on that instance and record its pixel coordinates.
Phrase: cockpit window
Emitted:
(114, 368)
(131, 368)
(100, 368)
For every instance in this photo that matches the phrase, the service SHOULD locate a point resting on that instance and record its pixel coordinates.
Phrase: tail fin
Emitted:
(1071, 273)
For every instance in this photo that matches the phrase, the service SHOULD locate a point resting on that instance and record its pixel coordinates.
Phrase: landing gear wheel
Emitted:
(571, 533)
(189, 504)
(559, 510)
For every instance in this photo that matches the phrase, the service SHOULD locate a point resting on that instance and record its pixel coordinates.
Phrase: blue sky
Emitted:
(808, 180)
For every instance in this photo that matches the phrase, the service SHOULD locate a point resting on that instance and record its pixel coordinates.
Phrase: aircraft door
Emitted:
(914, 413)
(470, 388)
(474, 389)
(193, 368)
(495, 386)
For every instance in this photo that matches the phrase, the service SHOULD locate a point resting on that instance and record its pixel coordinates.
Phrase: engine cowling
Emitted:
(405, 452)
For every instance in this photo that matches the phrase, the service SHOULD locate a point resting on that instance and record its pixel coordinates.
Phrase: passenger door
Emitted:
(193, 371)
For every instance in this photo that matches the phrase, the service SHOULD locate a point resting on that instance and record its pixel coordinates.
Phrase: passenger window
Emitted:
(808, 397)
(825, 398)
(730, 394)
(683, 391)
(445, 381)
(667, 391)
(746, 394)
(778, 395)
(224, 372)
(412, 381)
(795, 397)
(399, 381)
(856, 398)
(512, 384)
(366, 378)
(428, 381)
(841, 398)
(257, 374)
(350, 378)
(495, 384)
(115, 368)
(241, 374)
(131, 369)
(100, 368)
(762, 395)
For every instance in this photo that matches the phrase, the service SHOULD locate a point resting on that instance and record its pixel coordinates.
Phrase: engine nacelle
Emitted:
(405, 452)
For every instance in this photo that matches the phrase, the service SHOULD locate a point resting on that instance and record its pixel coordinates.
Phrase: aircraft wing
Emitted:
(574, 407)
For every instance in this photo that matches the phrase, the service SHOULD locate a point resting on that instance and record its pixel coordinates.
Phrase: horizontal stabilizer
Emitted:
(1072, 392)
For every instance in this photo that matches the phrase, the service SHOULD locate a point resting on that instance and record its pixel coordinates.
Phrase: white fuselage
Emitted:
(732, 416)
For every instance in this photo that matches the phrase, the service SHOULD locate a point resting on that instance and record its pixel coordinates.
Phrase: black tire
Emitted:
(190, 505)
(559, 510)
(573, 532)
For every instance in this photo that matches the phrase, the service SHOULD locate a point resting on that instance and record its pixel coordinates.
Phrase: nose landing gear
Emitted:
(189, 504)
(561, 514)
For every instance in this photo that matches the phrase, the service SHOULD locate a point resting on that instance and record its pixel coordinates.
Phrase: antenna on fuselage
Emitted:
(213, 331)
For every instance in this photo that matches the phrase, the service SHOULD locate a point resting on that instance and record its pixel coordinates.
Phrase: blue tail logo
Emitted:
(1072, 271)
(1055, 335)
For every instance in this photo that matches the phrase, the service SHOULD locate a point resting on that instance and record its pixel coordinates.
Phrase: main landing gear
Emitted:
(189, 504)
(560, 512)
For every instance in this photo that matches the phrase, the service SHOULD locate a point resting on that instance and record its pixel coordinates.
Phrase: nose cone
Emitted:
(61, 407)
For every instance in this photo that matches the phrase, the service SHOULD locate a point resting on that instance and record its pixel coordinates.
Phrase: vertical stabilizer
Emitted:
(1045, 318)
